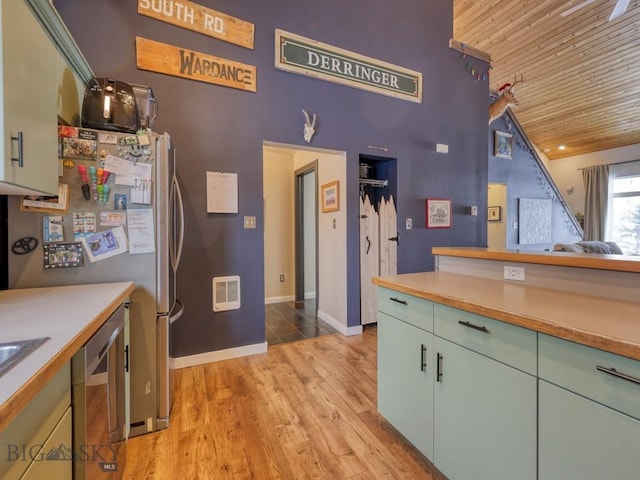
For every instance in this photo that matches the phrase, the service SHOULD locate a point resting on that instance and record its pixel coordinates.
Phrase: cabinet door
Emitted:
(579, 438)
(54, 459)
(405, 380)
(29, 94)
(484, 415)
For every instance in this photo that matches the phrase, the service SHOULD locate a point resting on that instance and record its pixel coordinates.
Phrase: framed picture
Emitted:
(47, 203)
(331, 196)
(503, 144)
(438, 213)
(62, 255)
(494, 214)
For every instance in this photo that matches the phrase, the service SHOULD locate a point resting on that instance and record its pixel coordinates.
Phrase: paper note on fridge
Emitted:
(141, 232)
(127, 172)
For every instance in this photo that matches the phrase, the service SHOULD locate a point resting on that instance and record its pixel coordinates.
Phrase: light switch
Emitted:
(249, 222)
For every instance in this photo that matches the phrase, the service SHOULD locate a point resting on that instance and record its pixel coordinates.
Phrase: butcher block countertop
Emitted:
(618, 263)
(68, 315)
(610, 325)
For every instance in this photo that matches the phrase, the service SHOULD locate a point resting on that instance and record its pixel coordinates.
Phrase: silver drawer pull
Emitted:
(615, 373)
(475, 327)
(397, 300)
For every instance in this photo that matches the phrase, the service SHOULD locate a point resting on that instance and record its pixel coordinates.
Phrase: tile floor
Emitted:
(286, 324)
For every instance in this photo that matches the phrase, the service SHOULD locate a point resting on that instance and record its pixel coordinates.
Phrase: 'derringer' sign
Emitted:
(314, 59)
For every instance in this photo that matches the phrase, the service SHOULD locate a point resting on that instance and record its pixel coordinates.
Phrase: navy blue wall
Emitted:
(525, 178)
(218, 128)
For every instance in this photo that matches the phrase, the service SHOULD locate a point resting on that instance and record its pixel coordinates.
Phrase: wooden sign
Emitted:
(182, 62)
(200, 19)
(314, 59)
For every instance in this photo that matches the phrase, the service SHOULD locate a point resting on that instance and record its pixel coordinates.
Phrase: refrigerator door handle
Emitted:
(175, 316)
(177, 197)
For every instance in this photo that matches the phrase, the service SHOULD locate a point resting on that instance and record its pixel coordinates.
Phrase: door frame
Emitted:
(299, 230)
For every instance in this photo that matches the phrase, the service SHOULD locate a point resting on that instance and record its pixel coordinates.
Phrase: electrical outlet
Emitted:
(281, 278)
(408, 223)
(514, 273)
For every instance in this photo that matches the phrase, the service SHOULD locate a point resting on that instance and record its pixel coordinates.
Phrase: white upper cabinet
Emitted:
(33, 40)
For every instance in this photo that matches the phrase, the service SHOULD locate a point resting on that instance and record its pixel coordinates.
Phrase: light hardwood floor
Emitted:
(303, 410)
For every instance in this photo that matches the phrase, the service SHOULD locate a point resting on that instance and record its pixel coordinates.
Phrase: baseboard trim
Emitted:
(343, 329)
(288, 298)
(217, 356)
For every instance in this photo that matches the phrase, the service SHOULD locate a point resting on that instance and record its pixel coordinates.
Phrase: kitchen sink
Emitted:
(12, 353)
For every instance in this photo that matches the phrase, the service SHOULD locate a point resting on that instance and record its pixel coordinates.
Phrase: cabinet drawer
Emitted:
(34, 424)
(413, 310)
(510, 344)
(591, 372)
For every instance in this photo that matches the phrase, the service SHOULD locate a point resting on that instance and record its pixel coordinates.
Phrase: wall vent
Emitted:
(226, 293)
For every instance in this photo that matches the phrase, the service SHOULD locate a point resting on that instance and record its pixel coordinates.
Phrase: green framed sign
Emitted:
(308, 57)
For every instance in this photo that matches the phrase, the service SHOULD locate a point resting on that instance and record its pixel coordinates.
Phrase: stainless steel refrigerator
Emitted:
(132, 230)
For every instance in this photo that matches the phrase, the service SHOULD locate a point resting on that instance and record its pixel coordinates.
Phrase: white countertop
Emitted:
(68, 315)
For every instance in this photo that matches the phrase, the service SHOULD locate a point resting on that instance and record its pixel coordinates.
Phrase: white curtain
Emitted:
(596, 185)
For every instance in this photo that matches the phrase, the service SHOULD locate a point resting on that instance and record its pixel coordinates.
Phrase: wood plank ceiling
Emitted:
(582, 87)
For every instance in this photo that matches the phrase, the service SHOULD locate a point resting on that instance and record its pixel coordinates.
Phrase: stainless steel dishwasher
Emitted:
(99, 373)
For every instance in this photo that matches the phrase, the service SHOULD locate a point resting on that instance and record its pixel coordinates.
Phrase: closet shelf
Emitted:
(373, 183)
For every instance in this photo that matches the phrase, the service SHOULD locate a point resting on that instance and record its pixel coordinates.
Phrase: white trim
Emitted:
(59, 34)
(343, 329)
(217, 356)
(288, 298)
(97, 379)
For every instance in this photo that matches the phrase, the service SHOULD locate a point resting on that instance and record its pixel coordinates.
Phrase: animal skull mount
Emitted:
(506, 98)
(309, 127)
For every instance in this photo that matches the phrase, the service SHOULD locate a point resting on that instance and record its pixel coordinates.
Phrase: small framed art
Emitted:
(494, 214)
(503, 144)
(331, 197)
(438, 213)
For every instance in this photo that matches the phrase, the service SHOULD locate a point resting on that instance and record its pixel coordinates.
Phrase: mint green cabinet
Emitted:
(589, 412)
(28, 109)
(405, 380)
(485, 416)
(45, 468)
(488, 400)
(585, 440)
(42, 426)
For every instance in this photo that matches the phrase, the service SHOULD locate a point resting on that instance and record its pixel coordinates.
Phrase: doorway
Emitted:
(304, 264)
(497, 217)
(306, 238)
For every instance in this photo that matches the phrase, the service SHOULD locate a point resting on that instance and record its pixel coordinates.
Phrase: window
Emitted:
(624, 213)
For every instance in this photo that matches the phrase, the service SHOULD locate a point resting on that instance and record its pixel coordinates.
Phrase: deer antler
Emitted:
(515, 82)
(505, 99)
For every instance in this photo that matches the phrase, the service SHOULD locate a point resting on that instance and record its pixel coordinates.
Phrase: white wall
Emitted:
(566, 173)
(332, 240)
(496, 231)
(279, 225)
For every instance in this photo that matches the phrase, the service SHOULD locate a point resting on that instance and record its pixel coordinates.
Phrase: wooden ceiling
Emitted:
(582, 70)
